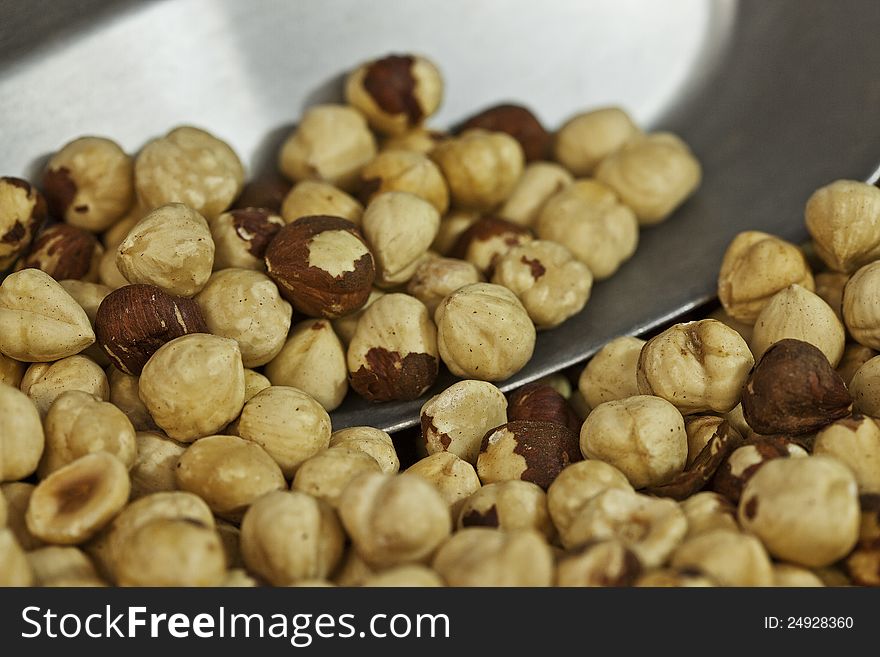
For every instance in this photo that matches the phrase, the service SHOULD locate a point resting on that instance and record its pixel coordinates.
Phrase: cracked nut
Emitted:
(843, 219)
(22, 212)
(509, 506)
(21, 435)
(405, 171)
(588, 138)
(242, 236)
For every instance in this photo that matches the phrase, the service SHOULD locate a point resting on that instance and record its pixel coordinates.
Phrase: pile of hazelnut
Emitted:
(163, 422)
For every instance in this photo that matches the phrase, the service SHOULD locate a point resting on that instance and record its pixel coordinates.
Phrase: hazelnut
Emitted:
(861, 311)
(11, 371)
(755, 267)
(310, 198)
(22, 212)
(745, 330)
(729, 557)
(124, 394)
(155, 464)
(2, 510)
(653, 174)
(266, 191)
(326, 474)
(395, 93)
(484, 332)
(593, 224)
(345, 326)
(478, 556)
(480, 167)
(230, 537)
(374, 442)
(829, 287)
(54, 565)
(843, 219)
(289, 424)
(73, 503)
(607, 563)
(508, 505)
(642, 436)
(291, 536)
(89, 183)
(551, 284)
(455, 479)
(65, 252)
(804, 510)
(854, 356)
(242, 236)
(393, 520)
(322, 266)
(313, 360)
(113, 236)
(39, 320)
(865, 389)
(132, 322)
(228, 473)
(420, 140)
(652, 528)
(487, 240)
(405, 171)
(539, 181)
(254, 382)
(410, 576)
(190, 166)
(78, 424)
(863, 565)
(668, 577)
(436, 278)
(526, 450)
(708, 511)
(700, 429)
(332, 143)
(786, 575)
(588, 138)
(18, 497)
(193, 386)
(393, 353)
(452, 226)
(170, 248)
(89, 296)
(14, 567)
(793, 390)
(798, 313)
(855, 442)
(516, 121)
(399, 228)
(612, 374)
(541, 402)
(108, 272)
(45, 382)
(696, 366)
(21, 435)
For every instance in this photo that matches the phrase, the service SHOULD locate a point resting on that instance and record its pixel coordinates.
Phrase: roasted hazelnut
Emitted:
(526, 450)
(399, 227)
(11, 370)
(331, 143)
(612, 374)
(124, 394)
(452, 226)
(508, 505)
(395, 93)
(855, 442)
(457, 419)
(794, 390)
(516, 121)
(54, 565)
(190, 166)
(345, 326)
(593, 224)
(22, 212)
(420, 140)
(291, 536)
(374, 442)
(606, 563)
(310, 198)
(708, 511)
(289, 424)
(193, 386)
(39, 320)
(73, 503)
(45, 382)
(480, 167)
(78, 424)
(539, 181)
(229, 473)
(65, 252)
(786, 575)
(798, 313)
(487, 240)
(242, 236)
(405, 171)
(170, 248)
(541, 402)
(409, 576)
(393, 520)
(729, 557)
(865, 388)
(696, 366)
(652, 528)
(653, 174)
(155, 464)
(132, 322)
(755, 267)
(393, 353)
(322, 266)
(21, 435)
(14, 567)
(484, 332)
(642, 436)
(313, 360)
(843, 219)
(18, 497)
(454, 478)
(326, 474)
(89, 183)
(436, 278)
(804, 510)
(588, 138)
(829, 287)
(266, 191)
(861, 311)
(478, 556)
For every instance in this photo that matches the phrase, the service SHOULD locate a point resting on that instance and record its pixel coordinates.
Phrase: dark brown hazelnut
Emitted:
(265, 192)
(322, 266)
(518, 122)
(254, 227)
(794, 390)
(65, 252)
(135, 320)
(487, 240)
(22, 212)
(541, 402)
(527, 450)
(742, 463)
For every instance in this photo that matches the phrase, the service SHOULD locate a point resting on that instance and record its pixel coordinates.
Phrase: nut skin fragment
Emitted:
(242, 236)
(21, 435)
(65, 252)
(132, 322)
(843, 219)
(518, 122)
(22, 213)
(587, 138)
(542, 403)
(794, 390)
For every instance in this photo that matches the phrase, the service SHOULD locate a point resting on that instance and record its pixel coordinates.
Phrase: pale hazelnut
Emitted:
(669, 577)
(606, 563)
(108, 272)
(588, 138)
(64, 252)
(708, 511)
(518, 122)
(326, 474)
(170, 248)
(829, 287)
(21, 435)
(843, 218)
(22, 212)
(18, 496)
(855, 442)
(88, 295)
(190, 166)
(700, 429)
(451, 227)
(454, 478)
(14, 567)
(374, 442)
(124, 394)
(113, 236)
(230, 537)
(310, 198)
(539, 182)
(155, 464)
(729, 557)
(487, 240)
(755, 267)
(745, 330)
(254, 382)
(861, 310)
(509, 506)
(420, 140)
(54, 565)
(405, 171)
(789, 576)
(408, 576)
(393, 353)
(865, 388)
(242, 236)
(2, 510)
(345, 326)
(483, 332)
(596, 227)
(11, 370)
(331, 143)
(45, 382)
(612, 374)
(436, 278)
(478, 556)
(193, 386)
